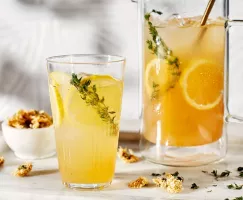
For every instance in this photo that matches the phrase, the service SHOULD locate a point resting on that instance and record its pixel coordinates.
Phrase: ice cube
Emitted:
(179, 19)
(176, 20)
(157, 19)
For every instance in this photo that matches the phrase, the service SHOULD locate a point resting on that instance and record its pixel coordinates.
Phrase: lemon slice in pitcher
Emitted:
(58, 84)
(202, 84)
(160, 76)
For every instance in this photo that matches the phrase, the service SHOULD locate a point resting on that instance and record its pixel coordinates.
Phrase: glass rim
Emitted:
(58, 59)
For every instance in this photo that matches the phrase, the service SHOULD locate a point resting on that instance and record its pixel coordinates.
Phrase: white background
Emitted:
(31, 30)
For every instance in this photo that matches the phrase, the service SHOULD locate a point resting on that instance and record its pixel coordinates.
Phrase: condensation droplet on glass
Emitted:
(157, 108)
(158, 41)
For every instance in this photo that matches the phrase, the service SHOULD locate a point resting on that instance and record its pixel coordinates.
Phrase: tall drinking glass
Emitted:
(86, 97)
(184, 81)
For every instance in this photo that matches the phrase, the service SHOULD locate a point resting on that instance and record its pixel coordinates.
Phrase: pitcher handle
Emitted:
(229, 114)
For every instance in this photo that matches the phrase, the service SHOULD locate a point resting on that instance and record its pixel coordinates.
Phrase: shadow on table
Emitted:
(43, 172)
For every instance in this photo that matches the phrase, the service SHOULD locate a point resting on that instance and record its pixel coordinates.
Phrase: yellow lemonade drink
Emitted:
(183, 92)
(86, 114)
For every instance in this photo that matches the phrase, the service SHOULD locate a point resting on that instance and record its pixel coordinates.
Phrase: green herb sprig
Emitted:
(176, 175)
(226, 173)
(88, 93)
(194, 186)
(236, 198)
(235, 186)
(22, 167)
(155, 174)
(157, 42)
(158, 47)
(240, 169)
(155, 93)
(214, 173)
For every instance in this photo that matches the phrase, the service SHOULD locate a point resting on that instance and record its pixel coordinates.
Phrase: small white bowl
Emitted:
(3, 146)
(30, 143)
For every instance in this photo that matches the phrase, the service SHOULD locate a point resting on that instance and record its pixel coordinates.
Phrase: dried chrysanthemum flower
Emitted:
(1, 160)
(171, 184)
(23, 170)
(138, 183)
(160, 182)
(127, 155)
(30, 119)
(174, 185)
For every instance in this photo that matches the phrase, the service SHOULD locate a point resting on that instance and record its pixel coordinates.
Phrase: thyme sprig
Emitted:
(88, 92)
(235, 186)
(236, 198)
(240, 169)
(157, 42)
(176, 175)
(214, 173)
(226, 173)
(155, 174)
(158, 47)
(194, 186)
(155, 93)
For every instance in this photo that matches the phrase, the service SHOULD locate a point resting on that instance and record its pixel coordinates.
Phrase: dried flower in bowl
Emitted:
(30, 119)
(127, 155)
(23, 170)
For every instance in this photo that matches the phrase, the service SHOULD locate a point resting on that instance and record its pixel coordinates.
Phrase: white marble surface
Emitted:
(44, 182)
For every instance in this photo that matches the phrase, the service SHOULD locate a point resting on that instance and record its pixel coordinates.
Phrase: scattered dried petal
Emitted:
(1, 161)
(160, 182)
(138, 183)
(127, 155)
(30, 119)
(23, 170)
(171, 183)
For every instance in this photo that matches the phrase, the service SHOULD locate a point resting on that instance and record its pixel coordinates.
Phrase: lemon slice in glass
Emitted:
(202, 84)
(58, 82)
(78, 112)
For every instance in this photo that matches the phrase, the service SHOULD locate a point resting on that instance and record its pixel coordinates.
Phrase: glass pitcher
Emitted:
(184, 65)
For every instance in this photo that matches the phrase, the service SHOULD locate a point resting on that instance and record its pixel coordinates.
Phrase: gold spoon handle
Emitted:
(207, 12)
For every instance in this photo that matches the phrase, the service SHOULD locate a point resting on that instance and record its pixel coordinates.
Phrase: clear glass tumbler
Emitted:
(184, 81)
(86, 98)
